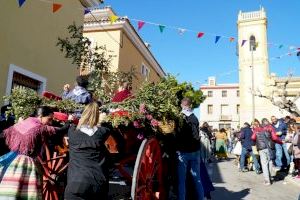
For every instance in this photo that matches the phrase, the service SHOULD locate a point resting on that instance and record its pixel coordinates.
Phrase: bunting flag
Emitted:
(280, 46)
(113, 18)
(161, 28)
(217, 39)
(243, 42)
(200, 34)
(56, 7)
(140, 24)
(86, 11)
(231, 39)
(181, 31)
(21, 2)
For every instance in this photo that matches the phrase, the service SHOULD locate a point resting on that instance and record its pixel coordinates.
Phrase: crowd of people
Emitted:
(265, 146)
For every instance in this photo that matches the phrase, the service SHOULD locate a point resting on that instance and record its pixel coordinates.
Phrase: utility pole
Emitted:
(252, 49)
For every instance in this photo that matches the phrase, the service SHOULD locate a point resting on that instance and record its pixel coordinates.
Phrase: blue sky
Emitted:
(196, 59)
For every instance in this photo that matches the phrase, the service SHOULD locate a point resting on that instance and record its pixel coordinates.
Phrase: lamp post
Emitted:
(252, 49)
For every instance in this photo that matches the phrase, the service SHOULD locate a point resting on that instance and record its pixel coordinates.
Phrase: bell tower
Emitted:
(253, 64)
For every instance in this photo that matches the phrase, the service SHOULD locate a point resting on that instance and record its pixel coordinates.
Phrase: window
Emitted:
(19, 77)
(210, 93)
(22, 81)
(238, 109)
(224, 93)
(209, 109)
(252, 43)
(225, 109)
(238, 93)
(145, 71)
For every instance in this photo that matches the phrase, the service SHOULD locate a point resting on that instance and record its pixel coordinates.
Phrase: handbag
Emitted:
(237, 149)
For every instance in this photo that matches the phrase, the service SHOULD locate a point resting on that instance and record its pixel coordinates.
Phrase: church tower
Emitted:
(253, 64)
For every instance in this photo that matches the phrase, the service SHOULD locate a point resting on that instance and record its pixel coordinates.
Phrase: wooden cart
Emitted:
(144, 155)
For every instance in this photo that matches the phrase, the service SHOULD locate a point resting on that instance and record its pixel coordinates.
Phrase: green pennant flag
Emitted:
(280, 46)
(161, 28)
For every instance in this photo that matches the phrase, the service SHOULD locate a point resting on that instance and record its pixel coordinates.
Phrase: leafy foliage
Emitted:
(102, 81)
(25, 101)
(160, 101)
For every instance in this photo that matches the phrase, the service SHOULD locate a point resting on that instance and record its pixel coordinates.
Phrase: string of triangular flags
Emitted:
(141, 23)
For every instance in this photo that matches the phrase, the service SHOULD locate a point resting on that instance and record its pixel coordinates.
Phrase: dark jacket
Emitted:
(87, 170)
(281, 128)
(187, 137)
(245, 138)
(265, 137)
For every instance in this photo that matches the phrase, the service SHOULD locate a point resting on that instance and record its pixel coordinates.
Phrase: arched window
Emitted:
(252, 43)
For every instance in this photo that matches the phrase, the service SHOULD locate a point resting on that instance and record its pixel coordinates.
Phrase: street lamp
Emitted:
(252, 49)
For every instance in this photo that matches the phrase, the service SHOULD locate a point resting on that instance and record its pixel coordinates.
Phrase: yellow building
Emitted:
(28, 53)
(124, 43)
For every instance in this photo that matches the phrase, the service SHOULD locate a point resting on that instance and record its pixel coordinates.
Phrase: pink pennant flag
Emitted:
(200, 34)
(140, 24)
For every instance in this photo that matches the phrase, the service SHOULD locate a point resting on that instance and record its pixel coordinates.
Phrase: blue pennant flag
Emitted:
(21, 2)
(86, 11)
(217, 39)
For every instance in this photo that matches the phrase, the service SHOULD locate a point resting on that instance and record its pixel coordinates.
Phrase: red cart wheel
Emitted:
(54, 166)
(147, 175)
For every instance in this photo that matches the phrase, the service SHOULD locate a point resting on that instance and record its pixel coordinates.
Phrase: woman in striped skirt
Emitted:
(21, 175)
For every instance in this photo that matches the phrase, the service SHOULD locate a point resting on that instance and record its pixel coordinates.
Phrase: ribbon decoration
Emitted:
(113, 18)
(161, 28)
(217, 39)
(56, 7)
(21, 2)
(140, 25)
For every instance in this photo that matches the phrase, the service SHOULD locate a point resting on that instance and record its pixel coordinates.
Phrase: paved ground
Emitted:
(231, 184)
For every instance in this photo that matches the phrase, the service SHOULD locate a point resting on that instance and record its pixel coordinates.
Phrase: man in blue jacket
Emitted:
(281, 130)
(247, 144)
(79, 94)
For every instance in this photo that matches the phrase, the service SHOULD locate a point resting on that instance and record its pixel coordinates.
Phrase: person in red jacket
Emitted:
(123, 93)
(265, 136)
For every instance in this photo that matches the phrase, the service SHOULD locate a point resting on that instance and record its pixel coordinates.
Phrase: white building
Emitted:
(221, 107)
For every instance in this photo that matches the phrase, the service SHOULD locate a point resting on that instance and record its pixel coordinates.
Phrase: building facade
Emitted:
(221, 108)
(29, 56)
(124, 44)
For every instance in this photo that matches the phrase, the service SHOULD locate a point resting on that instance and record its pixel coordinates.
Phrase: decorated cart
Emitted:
(137, 143)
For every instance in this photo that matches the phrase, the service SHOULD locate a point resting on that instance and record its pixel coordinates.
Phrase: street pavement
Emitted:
(230, 184)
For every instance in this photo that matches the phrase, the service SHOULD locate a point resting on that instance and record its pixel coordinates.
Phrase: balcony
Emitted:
(225, 118)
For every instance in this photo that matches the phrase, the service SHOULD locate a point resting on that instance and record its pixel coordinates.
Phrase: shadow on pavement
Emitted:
(222, 193)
